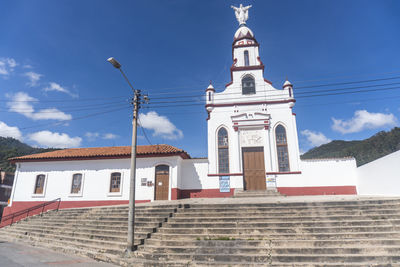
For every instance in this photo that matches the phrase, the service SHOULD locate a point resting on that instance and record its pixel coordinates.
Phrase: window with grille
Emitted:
(282, 149)
(246, 58)
(223, 151)
(39, 185)
(115, 184)
(76, 183)
(248, 85)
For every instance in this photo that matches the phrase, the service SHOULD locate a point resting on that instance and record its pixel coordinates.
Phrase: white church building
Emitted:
(252, 145)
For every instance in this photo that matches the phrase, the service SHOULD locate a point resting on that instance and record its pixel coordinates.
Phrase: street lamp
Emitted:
(131, 216)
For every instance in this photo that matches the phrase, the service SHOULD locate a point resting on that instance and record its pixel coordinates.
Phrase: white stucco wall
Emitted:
(96, 179)
(381, 176)
(322, 172)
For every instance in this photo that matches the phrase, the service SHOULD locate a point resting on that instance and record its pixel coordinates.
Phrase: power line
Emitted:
(272, 98)
(65, 121)
(144, 132)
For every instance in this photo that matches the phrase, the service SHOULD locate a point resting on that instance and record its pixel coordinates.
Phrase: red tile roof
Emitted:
(104, 153)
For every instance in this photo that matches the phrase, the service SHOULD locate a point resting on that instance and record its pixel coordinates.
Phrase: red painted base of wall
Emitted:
(203, 193)
(22, 205)
(318, 190)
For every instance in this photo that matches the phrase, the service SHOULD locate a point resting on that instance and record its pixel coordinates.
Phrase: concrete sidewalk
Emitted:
(22, 255)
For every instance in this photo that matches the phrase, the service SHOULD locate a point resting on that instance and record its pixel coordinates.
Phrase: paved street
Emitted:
(21, 255)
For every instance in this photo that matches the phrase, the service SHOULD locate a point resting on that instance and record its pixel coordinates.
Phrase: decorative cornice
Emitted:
(251, 103)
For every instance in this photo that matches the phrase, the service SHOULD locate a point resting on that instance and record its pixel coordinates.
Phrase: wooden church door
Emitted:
(253, 168)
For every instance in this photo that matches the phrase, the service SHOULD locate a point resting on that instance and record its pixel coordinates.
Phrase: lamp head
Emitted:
(114, 62)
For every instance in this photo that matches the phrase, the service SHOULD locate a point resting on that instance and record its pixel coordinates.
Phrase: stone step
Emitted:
(309, 203)
(299, 219)
(71, 235)
(274, 242)
(246, 213)
(331, 258)
(255, 193)
(268, 224)
(212, 208)
(105, 214)
(275, 230)
(280, 236)
(83, 229)
(264, 250)
(91, 224)
(61, 239)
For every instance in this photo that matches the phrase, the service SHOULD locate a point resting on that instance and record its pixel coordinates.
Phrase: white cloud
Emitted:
(10, 131)
(57, 140)
(22, 103)
(315, 138)
(50, 114)
(363, 120)
(7, 66)
(33, 78)
(92, 136)
(110, 136)
(160, 125)
(58, 88)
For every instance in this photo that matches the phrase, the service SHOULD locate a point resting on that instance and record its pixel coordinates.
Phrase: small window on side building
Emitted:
(76, 183)
(39, 185)
(115, 183)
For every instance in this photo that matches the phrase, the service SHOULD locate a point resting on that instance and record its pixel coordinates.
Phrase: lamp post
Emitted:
(136, 105)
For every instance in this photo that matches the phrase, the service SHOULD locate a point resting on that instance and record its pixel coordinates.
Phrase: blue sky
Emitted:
(57, 89)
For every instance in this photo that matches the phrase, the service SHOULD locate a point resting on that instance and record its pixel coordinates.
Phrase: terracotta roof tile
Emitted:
(104, 152)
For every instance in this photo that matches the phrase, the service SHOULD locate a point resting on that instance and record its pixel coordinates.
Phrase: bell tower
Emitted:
(252, 131)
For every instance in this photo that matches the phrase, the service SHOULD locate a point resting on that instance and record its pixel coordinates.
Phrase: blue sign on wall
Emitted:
(224, 184)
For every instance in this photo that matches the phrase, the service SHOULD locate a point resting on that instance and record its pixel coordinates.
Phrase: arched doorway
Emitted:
(161, 186)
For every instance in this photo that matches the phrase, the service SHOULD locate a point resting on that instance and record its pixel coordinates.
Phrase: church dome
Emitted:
(244, 32)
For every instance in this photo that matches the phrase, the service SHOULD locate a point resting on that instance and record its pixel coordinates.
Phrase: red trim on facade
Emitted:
(294, 114)
(287, 86)
(21, 205)
(174, 193)
(210, 89)
(226, 174)
(270, 173)
(256, 67)
(318, 190)
(247, 36)
(267, 81)
(226, 85)
(251, 103)
(246, 45)
(203, 193)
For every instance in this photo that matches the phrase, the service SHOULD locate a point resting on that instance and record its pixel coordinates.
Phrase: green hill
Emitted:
(364, 151)
(10, 147)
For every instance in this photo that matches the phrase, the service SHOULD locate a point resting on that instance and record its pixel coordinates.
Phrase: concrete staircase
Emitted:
(100, 233)
(353, 233)
(228, 232)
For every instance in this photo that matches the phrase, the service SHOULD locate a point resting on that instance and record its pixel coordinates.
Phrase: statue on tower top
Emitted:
(242, 13)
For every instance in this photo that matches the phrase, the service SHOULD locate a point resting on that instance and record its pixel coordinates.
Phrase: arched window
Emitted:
(223, 151)
(248, 85)
(246, 58)
(282, 149)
